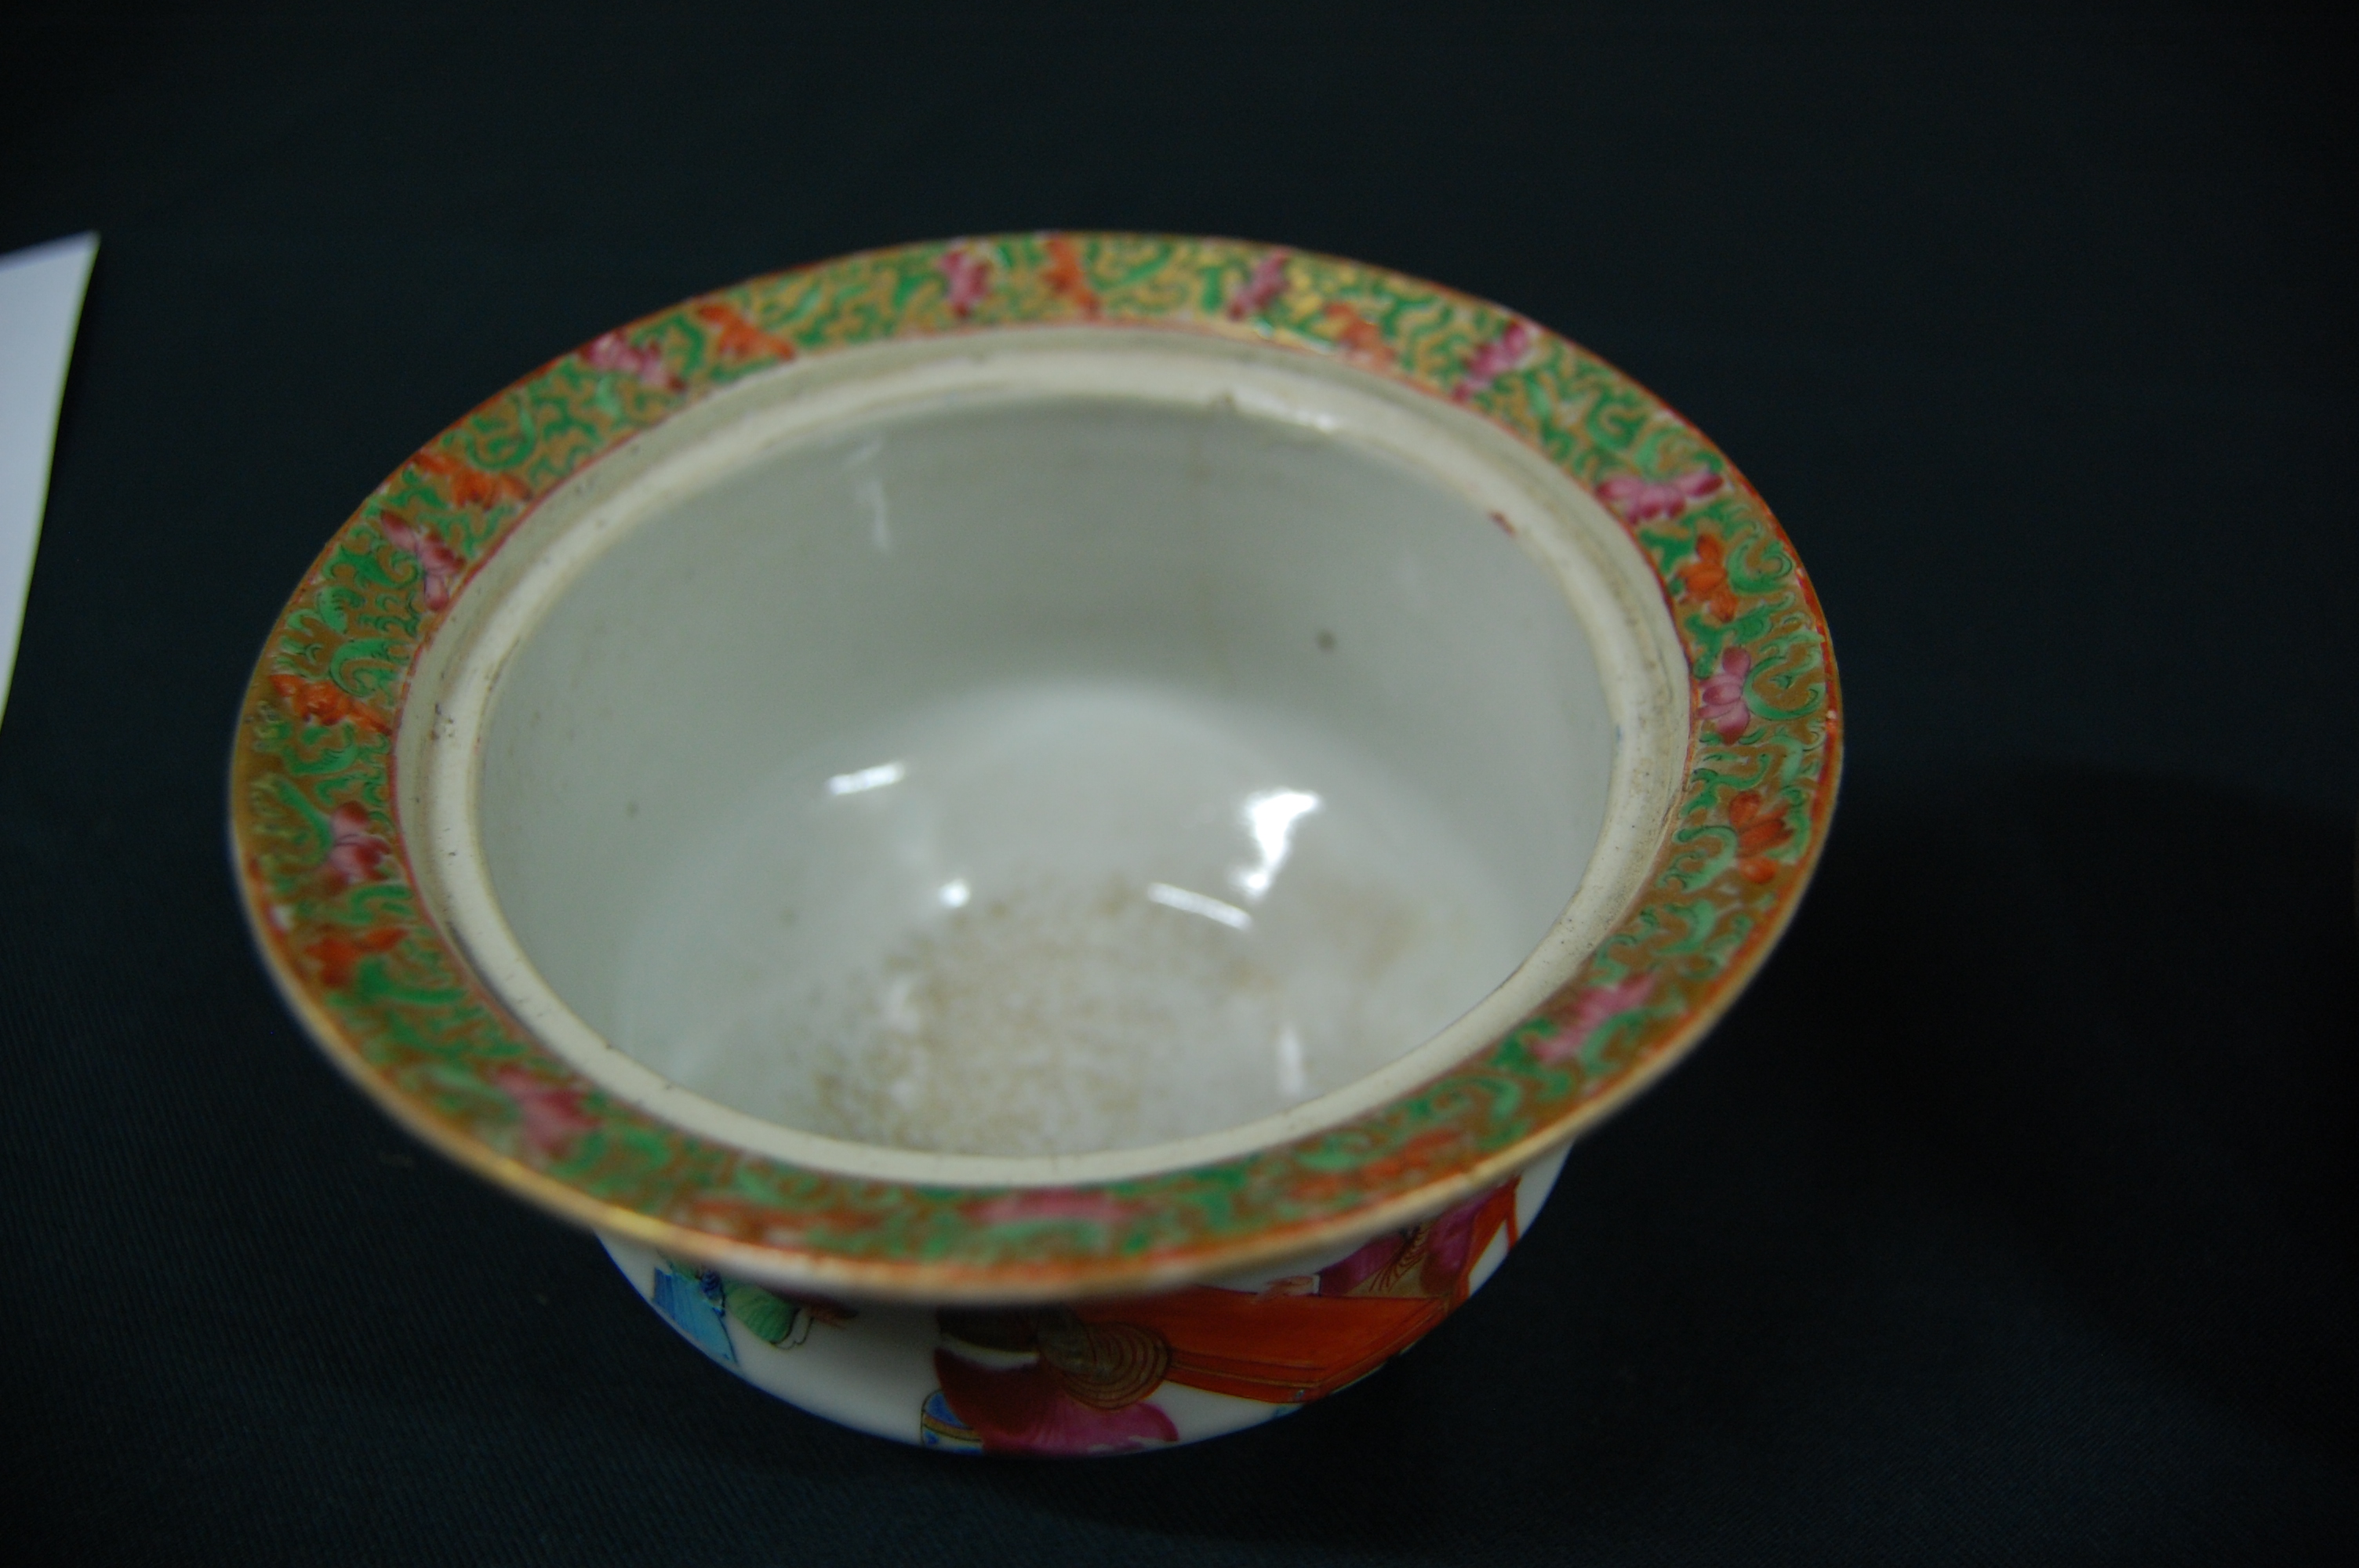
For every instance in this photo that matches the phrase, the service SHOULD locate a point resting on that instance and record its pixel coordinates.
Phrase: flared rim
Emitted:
(323, 865)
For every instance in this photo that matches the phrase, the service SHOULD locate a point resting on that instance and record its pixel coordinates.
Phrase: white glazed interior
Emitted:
(1043, 757)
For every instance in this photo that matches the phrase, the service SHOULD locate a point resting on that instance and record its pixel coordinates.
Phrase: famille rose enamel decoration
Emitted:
(1079, 1299)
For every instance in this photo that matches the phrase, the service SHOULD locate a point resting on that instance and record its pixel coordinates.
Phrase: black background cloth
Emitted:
(2008, 1218)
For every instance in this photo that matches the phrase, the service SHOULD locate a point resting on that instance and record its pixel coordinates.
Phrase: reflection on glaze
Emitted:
(868, 492)
(1170, 897)
(1269, 815)
(866, 779)
(1293, 1081)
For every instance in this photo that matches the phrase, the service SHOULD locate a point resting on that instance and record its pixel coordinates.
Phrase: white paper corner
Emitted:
(40, 305)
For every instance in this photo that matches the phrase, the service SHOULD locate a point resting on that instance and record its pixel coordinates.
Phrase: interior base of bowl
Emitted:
(1057, 917)
(1104, 1377)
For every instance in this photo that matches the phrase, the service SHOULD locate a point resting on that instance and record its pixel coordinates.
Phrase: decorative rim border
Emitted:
(320, 860)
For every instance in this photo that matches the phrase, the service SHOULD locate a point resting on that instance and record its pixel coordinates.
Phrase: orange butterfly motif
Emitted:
(339, 953)
(470, 486)
(322, 702)
(1064, 276)
(1706, 577)
(1761, 827)
(736, 338)
(1359, 338)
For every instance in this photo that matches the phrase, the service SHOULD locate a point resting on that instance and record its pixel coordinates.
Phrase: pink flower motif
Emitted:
(549, 1116)
(1590, 1013)
(1723, 697)
(437, 562)
(968, 274)
(1253, 294)
(613, 352)
(353, 851)
(1053, 1203)
(1640, 499)
(1495, 359)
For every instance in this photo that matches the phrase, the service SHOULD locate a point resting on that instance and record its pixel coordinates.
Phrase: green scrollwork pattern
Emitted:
(320, 852)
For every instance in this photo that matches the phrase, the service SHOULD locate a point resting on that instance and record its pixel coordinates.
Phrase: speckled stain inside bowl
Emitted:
(1049, 836)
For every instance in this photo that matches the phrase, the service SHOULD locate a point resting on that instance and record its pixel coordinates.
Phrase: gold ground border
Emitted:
(939, 1243)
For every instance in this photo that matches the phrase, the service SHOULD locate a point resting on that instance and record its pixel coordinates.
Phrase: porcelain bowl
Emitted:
(1051, 836)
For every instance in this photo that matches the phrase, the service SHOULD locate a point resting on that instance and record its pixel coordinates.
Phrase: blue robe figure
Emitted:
(696, 1305)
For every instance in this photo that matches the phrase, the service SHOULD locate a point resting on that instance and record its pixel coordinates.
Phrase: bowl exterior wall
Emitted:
(1099, 1377)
